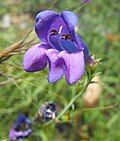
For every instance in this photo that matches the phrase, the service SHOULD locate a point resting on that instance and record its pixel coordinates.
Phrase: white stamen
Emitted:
(49, 111)
(60, 30)
(53, 116)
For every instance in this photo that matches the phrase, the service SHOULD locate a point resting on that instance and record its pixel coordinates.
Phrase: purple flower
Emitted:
(86, 1)
(48, 111)
(60, 47)
(20, 129)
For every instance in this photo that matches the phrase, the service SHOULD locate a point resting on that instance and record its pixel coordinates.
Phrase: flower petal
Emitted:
(68, 46)
(35, 58)
(47, 21)
(74, 66)
(55, 66)
(22, 119)
(82, 46)
(54, 42)
(14, 135)
(71, 21)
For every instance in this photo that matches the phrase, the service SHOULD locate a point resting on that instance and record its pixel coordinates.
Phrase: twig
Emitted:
(13, 47)
(81, 6)
(9, 51)
(101, 108)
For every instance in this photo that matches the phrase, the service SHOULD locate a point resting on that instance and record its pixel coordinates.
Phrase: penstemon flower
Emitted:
(46, 112)
(62, 48)
(21, 128)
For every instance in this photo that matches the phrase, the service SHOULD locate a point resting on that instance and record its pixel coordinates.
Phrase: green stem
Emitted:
(74, 99)
(81, 6)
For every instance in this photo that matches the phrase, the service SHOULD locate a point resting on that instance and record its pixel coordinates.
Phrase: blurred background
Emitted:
(96, 115)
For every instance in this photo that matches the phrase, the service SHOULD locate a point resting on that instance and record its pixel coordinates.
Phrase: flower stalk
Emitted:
(88, 81)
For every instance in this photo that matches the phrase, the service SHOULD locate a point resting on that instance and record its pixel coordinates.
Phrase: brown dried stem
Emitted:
(15, 48)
